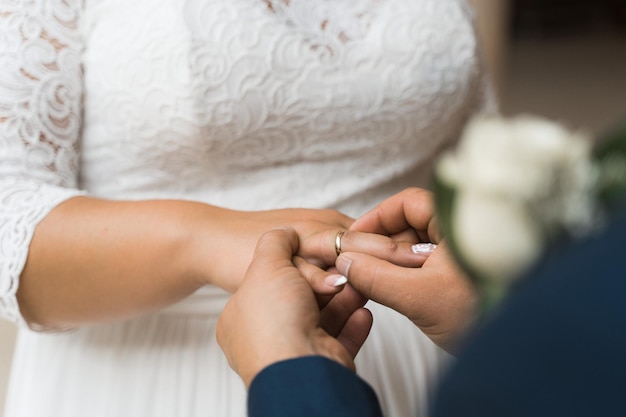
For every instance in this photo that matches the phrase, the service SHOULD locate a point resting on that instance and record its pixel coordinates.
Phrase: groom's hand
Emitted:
(437, 296)
(275, 314)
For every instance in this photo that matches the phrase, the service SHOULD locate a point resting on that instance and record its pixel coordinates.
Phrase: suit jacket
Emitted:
(310, 386)
(556, 347)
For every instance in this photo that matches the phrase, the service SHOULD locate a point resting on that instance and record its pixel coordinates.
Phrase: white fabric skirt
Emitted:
(170, 365)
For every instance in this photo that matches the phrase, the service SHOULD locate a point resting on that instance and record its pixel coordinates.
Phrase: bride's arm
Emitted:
(94, 260)
(65, 258)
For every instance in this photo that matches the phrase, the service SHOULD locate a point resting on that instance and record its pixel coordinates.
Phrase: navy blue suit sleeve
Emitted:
(311, 386)
(557, 346)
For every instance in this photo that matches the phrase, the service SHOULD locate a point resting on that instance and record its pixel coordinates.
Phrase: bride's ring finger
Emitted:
(402, 253)
(338, 242)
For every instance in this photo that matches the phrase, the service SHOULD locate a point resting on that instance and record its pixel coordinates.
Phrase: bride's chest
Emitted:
(237, 45)
(231, 69)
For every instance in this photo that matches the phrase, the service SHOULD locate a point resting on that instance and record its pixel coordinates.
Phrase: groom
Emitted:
(556, 347)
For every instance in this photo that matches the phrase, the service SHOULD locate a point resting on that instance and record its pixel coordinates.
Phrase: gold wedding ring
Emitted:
(338, 242)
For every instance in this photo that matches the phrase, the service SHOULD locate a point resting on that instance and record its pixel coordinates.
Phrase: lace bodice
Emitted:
(248, 104)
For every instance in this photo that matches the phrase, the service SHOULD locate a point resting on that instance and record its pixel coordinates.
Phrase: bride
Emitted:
(146, 145)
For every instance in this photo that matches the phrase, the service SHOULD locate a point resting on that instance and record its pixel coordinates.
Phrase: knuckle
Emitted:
(392, 246)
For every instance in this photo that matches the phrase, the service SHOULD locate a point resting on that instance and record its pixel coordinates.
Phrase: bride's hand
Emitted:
(238, 233)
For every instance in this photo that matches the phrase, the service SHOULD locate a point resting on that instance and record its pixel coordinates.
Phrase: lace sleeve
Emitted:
(40, 104)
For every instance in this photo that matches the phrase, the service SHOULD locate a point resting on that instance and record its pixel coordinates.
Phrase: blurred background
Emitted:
(562, 59)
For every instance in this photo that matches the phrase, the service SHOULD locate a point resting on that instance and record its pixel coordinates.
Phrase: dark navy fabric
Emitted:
(310, 386)
(557, 347)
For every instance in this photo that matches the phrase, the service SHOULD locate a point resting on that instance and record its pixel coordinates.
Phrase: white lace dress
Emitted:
(246, 104)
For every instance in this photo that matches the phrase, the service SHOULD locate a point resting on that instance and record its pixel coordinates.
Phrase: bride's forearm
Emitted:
(94, 260)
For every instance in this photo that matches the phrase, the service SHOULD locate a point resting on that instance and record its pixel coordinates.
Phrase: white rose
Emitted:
(517, 181)
(496, 237)
(517, 157)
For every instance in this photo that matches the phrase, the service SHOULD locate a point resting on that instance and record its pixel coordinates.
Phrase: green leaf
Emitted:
(610, 154)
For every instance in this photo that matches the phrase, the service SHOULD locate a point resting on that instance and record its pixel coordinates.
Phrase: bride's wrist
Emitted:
(218, 247)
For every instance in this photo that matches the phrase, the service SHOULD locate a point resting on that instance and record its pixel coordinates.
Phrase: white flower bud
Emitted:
(496, 237)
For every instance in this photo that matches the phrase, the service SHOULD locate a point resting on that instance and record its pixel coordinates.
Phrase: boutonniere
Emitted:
(513, 187)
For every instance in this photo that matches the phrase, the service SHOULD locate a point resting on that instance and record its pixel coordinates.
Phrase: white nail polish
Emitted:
(337, 281)
(423, 248)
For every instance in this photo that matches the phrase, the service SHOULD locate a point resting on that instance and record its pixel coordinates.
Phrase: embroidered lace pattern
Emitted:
(251, 96)
(326, 25)
(40, 94)
(246, 104)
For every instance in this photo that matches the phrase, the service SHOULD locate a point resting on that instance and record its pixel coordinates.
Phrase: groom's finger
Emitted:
(411, 208)
(324, 283)
(355, 331)
(337, 312)
(396, 287)
(276, 245)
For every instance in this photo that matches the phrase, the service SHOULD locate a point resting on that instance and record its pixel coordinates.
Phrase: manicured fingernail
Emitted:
(336, 280)
(423, 248)
(343, 265)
